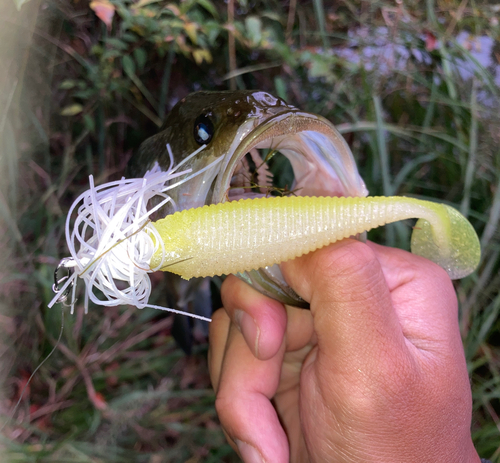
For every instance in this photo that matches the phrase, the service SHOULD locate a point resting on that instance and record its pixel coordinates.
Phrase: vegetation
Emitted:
(83, 85)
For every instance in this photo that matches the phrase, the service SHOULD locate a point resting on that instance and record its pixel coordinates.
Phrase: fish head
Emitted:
(215, 119)
(232, 124)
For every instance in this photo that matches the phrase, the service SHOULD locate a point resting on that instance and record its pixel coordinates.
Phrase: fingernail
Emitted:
(248, 453)
(249, 329)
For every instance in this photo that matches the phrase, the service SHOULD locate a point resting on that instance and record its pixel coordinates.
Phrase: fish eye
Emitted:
(203, 130)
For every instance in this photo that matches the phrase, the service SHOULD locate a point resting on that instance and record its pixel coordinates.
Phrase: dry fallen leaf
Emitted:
(104, 10)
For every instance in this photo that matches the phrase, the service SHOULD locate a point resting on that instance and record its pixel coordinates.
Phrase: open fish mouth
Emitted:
(321, 160)
(322, 165)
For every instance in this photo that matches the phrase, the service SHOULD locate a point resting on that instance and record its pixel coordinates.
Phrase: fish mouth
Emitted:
(321, 160)
(322, 164)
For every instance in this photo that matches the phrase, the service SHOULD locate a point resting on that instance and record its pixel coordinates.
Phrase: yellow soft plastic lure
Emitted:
(114, 245)
(249, 234)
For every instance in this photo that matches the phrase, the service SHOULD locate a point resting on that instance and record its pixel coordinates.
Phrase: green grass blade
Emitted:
(471, 160)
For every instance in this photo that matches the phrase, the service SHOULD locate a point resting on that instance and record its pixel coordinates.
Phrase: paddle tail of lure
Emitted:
(248, 234)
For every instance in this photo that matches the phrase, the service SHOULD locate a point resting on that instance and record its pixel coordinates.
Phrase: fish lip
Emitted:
(292, 132)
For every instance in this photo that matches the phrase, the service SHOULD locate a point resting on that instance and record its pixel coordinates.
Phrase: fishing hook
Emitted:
(66, 263)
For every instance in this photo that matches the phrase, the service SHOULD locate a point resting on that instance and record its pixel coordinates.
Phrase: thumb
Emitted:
(351, 305)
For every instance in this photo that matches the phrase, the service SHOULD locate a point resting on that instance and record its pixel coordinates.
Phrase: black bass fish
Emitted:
(232, 124)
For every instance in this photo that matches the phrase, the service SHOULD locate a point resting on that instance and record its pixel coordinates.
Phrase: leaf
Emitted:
(85, 94)
(280, 86)
(201, 55)
(140, 58)
(113, 53)
(272, 15)
(190, 29)
(116, 43)
(254, 29)
(212, 30)
(142, 3)
(128, 65)
(67, 84)
(72, 110)
(89, 122)
(129, 37)
(209, 6)
(174, 9)
(104, 10)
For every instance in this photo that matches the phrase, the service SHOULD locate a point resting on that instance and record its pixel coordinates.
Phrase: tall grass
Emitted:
(117, 388)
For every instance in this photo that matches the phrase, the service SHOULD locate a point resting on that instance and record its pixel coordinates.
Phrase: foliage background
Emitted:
(83, 84)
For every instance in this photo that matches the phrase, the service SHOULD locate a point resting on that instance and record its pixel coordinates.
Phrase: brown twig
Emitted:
(110, 353)
(50, 408)
(456, 17)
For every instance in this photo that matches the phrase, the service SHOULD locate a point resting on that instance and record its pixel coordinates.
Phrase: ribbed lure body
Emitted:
(249, 234)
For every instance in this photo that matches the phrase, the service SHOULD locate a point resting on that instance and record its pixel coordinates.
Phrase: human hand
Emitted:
(374, 372)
